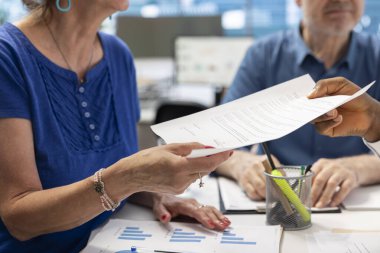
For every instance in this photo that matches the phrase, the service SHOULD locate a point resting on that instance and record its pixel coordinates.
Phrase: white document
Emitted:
(118, 236)
(363, 198)
(328, 242)
(207, 195)
(263, 116)
(235, 199)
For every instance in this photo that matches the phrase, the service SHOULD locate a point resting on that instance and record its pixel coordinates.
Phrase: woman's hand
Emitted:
(166, 207)
(164, 169)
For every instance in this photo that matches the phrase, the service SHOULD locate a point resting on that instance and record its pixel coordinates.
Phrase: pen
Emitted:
(308, 168)
(266, 150)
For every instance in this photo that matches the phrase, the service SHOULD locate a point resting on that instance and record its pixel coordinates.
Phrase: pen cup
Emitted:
(288, 197)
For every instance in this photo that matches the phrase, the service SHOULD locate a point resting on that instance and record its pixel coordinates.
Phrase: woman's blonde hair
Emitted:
(39, 8)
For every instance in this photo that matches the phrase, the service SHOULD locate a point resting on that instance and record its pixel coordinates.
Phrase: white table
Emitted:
(292, 241)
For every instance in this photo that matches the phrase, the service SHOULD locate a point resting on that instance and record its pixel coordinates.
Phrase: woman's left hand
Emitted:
(166, 207)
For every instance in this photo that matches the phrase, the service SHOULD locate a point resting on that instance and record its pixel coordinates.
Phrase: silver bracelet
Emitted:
(107, 203)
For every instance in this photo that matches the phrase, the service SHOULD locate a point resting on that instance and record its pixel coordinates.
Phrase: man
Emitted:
(324, 46)
(359, 117)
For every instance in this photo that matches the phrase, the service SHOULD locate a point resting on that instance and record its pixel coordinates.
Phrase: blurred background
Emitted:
(187, 51)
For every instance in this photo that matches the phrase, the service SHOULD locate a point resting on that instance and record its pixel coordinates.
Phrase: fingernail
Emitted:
(330, 113)
(226, 220)
(312, 91)
(209, 147)
(319, 205)
(212, 224)
(163, 217)
(226, 223)
(337, 119)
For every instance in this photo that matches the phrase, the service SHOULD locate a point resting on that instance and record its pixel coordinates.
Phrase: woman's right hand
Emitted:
(166, 169)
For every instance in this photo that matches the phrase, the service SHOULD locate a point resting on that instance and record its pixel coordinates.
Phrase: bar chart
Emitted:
(130, 236)
(133, 234)
(180, 236)
(229, 237)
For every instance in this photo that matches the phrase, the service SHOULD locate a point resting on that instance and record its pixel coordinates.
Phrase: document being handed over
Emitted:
(263, 116)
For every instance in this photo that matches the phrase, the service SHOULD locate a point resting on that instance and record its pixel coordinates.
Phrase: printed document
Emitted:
(263, 116)
(351, 242)
(364, 198)
(118, 236)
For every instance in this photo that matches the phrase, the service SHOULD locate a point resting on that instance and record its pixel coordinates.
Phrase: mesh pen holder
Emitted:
(288, 198)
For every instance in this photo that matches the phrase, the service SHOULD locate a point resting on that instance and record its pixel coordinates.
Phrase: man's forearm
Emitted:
(373, 133)
(366, 167)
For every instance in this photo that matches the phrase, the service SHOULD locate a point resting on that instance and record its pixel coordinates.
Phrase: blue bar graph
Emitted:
(136, 235)
(188, 237)
(237, 242)
(225, 238)
(183, 233)
(183, 240)
(232, 238)
(181, 236)
(133, 234)
(131, 238)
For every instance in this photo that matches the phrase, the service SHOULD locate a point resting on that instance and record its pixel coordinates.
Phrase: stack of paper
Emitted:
(152, 236)
(363, 198)
(355, 242)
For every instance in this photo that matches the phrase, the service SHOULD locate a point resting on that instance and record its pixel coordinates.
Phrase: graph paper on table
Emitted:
(120, 235)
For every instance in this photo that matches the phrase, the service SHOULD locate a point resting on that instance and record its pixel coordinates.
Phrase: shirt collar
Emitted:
(351, 55)
(302, 50)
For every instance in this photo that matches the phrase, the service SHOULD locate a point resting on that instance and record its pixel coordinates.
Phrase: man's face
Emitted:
(335, 17)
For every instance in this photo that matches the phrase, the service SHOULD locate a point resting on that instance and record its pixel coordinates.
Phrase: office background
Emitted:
(191, 42)
(240, 17)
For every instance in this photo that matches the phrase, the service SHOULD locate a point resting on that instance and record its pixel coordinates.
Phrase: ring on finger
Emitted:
(201, 206)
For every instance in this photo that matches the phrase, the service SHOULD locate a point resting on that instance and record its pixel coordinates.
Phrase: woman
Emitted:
(68, 108)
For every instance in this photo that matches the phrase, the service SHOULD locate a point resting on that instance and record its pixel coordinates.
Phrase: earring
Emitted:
(60, 8)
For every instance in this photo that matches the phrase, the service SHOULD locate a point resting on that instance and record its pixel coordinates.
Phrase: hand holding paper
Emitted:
(263, 116)
(360, 117)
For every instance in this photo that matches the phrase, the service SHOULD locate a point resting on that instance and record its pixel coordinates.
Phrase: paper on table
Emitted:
(120, 235)
(265, 115)
(363, 198)
(327, 242)
(235, 200)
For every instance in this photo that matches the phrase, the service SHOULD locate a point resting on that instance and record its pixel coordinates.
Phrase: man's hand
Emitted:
(332, 182)
(360, 116)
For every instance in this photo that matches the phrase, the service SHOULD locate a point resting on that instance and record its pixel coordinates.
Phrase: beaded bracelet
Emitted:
(107, 203)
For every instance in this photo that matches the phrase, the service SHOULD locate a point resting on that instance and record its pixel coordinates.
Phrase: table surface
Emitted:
(292, 241)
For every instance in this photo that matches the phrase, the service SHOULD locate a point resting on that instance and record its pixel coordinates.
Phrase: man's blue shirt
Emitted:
(284, 56)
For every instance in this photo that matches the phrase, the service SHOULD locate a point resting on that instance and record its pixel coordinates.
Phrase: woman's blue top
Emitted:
(77, 128)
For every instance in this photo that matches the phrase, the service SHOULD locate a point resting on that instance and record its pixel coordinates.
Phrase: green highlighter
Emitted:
(291, 195)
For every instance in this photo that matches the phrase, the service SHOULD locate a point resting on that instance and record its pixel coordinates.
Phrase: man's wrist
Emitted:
(373, 132)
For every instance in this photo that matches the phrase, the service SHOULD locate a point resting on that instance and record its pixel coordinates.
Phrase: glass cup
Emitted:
(288, 197)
